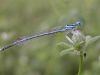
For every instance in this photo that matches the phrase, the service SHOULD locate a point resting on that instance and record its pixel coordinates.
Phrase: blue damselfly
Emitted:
(63, 29)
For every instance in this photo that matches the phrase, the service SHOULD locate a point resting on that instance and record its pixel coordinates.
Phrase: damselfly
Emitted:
(63, 29)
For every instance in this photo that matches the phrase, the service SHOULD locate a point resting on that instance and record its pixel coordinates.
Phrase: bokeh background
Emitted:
(40, 56)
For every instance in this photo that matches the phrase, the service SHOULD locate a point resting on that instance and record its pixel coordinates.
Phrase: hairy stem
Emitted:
(80, 64)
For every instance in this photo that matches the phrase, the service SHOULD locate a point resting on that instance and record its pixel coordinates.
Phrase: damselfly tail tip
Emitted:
(1, 49)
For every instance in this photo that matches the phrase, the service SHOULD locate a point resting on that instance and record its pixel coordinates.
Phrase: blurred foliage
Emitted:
(41, 57)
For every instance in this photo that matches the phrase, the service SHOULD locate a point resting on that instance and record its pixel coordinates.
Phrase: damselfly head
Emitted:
(72, 26)
(78, 23)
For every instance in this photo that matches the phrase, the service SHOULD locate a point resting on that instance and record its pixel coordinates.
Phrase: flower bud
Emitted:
(77, 37)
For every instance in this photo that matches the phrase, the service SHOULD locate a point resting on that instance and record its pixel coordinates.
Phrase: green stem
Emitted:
(80, 64)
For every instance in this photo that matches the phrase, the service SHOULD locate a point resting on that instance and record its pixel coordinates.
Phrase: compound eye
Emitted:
(78, 23)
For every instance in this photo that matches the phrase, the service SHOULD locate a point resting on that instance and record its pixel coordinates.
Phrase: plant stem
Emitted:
(80, 64)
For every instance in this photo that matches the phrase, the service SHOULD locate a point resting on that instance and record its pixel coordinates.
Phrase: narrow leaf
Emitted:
(67, 51)
(62, 46)
(91, 40)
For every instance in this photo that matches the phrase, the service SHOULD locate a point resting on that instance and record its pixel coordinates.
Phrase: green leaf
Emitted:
(90, 40)
(67, 51)
(62, 46)
(69, 40)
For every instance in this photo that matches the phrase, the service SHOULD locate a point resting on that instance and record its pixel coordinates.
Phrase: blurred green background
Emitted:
(40, 56)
